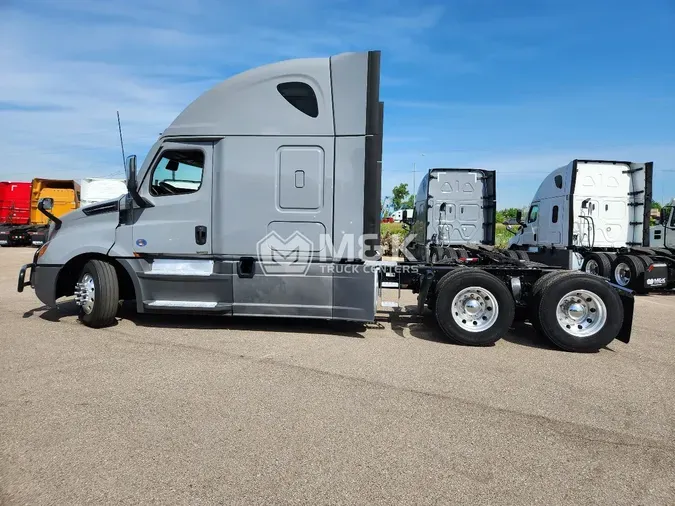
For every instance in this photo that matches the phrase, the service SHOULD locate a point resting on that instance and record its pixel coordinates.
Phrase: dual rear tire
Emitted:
(576, 312)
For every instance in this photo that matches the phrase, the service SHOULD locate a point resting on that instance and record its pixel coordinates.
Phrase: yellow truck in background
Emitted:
(66, 195)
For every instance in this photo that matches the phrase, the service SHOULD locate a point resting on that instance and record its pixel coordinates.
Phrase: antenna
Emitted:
(119, 126)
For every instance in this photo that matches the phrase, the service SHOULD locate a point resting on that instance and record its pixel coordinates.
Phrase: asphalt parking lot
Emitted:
(215, 410)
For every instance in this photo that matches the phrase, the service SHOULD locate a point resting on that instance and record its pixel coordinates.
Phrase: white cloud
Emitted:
(68, 66)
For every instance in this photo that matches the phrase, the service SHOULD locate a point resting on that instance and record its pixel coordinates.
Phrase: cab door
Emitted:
(529, 235)
(178, 184)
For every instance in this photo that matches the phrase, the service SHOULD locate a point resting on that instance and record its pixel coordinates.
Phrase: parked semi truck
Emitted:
(98, 189)
(662, 235)
(14, 210)
(294, 150)
(594, 215)
(454, 207)
(33, 230)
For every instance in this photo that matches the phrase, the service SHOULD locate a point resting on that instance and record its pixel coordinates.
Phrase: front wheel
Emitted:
(97, 294)
(474, 307)
(580, 313)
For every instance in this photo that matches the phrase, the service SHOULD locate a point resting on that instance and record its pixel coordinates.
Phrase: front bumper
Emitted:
(42, 279)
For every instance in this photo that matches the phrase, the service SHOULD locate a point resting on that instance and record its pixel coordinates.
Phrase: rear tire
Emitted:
(474, 307)
(580, 313)
(98, 294)
(522, 255)
(628, 271)
(511, 254)
(538, 288)
(598, 264)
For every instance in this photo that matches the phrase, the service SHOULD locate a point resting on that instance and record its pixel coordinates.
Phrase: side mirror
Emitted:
(131, 172)
(405, 215)
(46, 204)
(132, 185)
(663, 215)
(519, 216)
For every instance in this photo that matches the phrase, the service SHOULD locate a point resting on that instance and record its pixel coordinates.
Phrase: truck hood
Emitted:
(110, 207)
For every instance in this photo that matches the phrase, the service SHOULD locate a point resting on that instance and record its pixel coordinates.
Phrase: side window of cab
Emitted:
(533, 214)
(177, 172)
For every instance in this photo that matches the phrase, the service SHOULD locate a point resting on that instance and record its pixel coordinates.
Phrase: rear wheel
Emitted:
(538, 288)
(628, 271)
(522, 255)
(97, 294)
(512, 254)
(598, 264)
(474, 307)
(580, 313)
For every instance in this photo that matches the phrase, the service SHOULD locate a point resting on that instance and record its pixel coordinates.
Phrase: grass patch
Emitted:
(395, 232)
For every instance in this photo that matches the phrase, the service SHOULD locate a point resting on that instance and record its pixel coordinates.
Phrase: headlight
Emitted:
(41, 251)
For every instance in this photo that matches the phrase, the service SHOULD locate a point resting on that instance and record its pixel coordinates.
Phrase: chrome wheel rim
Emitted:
(592, 267)
(475, 309)
(581, 313)
(85, 293)
(622, 274)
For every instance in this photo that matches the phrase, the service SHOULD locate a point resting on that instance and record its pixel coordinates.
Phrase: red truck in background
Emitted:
(15, 199)
(21, 222)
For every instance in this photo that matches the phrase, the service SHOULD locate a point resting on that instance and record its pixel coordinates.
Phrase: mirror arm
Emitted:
(41, 208)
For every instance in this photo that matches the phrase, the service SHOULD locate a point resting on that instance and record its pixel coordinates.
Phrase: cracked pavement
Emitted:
(206, 410)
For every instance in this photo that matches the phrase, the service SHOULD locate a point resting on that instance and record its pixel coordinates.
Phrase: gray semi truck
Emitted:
(262, 198)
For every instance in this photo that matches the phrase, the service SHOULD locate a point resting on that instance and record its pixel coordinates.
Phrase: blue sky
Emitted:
(522, 86)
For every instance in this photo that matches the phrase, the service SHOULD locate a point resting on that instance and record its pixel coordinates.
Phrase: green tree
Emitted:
(506, 214)
(656, 205)
(400, 196)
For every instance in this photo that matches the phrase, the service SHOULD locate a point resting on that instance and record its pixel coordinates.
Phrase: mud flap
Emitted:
(628, 302)
(424, 290)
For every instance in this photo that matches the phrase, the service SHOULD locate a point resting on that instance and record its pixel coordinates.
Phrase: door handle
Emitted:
(200, 234)
(246, 267)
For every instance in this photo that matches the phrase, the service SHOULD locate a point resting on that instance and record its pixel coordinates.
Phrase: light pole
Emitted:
(414, 189)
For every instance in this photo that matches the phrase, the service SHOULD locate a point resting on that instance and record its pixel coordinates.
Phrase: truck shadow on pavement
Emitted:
(426, 328)
(404, 323)
(214, 322)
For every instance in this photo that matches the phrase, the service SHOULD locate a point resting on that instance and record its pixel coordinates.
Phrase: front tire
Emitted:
(474, 307)
(580, 313)
(97, 294)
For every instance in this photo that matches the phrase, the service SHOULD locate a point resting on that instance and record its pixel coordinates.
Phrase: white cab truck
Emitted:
(594, 216)
(280, 174)
(455, 208)
(98, 189)
(662, 235)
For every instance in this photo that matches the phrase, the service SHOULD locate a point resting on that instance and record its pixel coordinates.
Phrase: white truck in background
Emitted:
(398, 215)
(594, 215)
(662, 235)
(98, 189)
